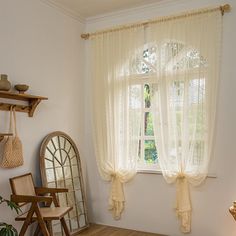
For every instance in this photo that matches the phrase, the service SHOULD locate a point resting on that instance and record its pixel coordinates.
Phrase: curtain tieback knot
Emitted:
(113, 175)
(117, 199)
(181, 176)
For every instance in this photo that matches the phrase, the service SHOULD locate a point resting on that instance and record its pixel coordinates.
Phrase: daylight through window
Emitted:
(173, 59)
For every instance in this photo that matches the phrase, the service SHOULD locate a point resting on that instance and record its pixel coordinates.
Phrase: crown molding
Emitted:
(66, 11)
(135, 10)
(152, 8)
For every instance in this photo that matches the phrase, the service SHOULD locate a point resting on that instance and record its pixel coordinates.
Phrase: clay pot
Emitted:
(5, 85)
(21, 88)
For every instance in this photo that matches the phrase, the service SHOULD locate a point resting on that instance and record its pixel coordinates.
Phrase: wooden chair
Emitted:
(25, 193)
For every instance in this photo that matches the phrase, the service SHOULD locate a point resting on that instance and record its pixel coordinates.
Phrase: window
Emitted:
(148, 157)
(143, 82)
(171, 59)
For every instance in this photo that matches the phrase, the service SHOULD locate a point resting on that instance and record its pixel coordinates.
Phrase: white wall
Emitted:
(149, 200)
(41, 47)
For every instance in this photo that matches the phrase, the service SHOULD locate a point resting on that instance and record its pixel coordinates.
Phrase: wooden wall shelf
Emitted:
(32, 101)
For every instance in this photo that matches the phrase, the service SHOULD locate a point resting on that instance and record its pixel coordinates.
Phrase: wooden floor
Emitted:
(102, 230)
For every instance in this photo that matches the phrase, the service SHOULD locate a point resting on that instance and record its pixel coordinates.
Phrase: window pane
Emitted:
(82, 221)
(145, 63)
(135, 96)
(74, 224)
(50, 175)
(190, 60)
(150, 152)
(149, 91)
(147, 98)
(148, 124)
(198, 152)
(197, 91)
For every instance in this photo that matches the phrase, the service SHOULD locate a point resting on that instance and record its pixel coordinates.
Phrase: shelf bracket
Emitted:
(32, 106)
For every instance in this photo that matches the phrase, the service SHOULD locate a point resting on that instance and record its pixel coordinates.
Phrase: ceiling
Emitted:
(90, 8)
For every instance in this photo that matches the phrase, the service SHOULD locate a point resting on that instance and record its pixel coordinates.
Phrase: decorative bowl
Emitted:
(21, 88)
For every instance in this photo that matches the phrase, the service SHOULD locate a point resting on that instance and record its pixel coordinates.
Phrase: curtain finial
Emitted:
(225, 8)
(85, 36)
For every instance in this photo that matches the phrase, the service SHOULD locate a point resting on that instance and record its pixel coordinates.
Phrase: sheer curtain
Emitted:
(116, 124)
(184, 101)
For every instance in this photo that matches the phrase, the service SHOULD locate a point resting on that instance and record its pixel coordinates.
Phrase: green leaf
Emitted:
(7, 230)
(13, 206)
(11, 233)
(3, 232)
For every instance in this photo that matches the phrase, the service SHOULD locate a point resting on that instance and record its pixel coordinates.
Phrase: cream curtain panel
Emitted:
(115, 125)
(184, 101)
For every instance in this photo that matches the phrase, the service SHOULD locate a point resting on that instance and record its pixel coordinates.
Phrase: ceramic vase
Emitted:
(5, 85)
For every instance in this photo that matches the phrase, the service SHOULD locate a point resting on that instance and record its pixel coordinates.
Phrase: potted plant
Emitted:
(6, 229)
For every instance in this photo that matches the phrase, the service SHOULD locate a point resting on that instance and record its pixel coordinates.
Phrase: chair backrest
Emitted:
(23, 185)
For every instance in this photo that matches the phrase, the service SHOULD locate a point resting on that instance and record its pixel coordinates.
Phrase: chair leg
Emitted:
(64, 225)
(27, 221)
(41, 222)
(49, 226)
(44, 229)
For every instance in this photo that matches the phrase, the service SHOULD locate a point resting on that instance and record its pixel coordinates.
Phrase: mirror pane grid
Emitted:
(62, 169)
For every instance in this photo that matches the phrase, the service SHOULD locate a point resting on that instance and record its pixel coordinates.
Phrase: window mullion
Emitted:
(142, 128)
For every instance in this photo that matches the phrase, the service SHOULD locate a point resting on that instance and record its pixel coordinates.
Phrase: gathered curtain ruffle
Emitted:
(116, 198)
(183, 203)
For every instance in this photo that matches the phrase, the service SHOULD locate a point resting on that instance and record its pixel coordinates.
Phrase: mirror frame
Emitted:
(43, 148)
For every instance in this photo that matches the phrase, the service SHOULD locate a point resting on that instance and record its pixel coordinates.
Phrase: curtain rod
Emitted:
(223, 9)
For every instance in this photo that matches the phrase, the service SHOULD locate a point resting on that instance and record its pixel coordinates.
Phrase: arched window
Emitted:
(170, 61)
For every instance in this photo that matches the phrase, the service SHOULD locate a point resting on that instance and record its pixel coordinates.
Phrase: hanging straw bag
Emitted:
(12, 150)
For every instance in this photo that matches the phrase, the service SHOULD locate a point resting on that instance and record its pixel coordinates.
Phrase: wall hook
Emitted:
(2, 135)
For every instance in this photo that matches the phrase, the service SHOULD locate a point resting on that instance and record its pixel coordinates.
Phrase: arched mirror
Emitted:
(60, 167)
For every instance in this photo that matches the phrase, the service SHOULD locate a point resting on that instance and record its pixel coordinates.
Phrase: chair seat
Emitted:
(48, 213)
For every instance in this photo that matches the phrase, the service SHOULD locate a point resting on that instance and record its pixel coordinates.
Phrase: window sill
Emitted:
(158, 172)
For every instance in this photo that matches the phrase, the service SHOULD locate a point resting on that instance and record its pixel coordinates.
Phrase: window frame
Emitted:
(151, 78)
